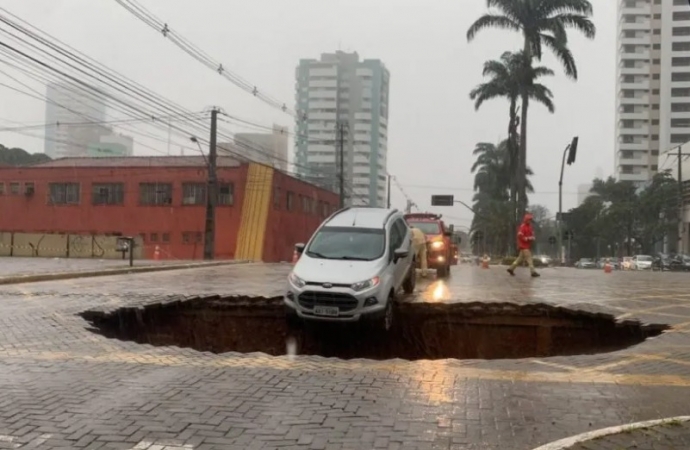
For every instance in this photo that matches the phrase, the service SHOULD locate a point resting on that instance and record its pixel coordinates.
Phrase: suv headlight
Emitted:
(437, 245)
(295, 280)
(362, 285)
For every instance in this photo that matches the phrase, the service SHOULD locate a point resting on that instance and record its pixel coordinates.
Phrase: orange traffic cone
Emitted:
(485, 264)
(157, 253)
(607, 268)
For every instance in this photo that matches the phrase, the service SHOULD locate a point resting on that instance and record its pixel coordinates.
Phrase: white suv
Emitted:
(352, 268)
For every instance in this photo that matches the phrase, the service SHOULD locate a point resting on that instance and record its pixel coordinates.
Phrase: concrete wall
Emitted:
(48, 245)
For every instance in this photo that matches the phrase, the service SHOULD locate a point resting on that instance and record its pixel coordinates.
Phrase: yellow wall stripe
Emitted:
(257, 200)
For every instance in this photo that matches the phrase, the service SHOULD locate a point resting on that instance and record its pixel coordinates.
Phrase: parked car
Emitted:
(352, 268)
(545, 259)
(680, 263)
(661, 262)
(626, 263)
(585, 263)
(642, 262)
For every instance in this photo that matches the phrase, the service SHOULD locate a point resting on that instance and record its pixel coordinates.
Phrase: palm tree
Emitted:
(542, 23)
(509, 77)
(492, 175)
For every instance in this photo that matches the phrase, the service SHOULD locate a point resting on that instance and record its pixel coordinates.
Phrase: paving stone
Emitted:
(88, 391)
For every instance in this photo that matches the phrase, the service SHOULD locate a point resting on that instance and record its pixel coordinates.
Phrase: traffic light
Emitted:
(572, 152)
(477, 236)
(552, 240)
(568, 235)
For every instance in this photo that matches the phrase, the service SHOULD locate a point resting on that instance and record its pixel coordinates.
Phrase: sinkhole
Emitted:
(420, 331)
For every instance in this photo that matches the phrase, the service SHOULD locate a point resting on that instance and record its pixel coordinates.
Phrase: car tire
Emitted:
(410, 280)
(386, 321)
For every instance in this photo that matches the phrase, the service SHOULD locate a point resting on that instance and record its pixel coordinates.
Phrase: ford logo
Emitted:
(327, 285)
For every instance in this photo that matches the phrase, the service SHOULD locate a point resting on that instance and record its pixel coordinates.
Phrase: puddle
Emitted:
(421, 330)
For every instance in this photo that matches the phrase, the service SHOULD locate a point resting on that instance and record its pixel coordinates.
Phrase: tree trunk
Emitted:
(513, 159)
(522, 166)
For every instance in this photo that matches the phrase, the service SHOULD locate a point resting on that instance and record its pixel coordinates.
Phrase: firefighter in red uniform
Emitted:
(525, 237)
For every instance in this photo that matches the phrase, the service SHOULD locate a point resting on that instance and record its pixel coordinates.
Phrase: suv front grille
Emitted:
(344, 302)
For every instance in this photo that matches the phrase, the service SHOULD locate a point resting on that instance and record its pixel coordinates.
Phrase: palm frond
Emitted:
(491, 21)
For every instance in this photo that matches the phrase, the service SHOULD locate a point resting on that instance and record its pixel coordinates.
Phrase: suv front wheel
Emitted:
(387, 319)
(410, 280)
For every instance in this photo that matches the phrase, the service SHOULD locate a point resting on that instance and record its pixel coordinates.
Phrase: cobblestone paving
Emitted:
(64, 387)
(13, 266)
(670, 436)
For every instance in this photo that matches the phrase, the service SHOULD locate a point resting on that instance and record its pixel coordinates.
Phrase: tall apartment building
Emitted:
(653, 84)
(268, 148)
(67, 105)
(341, 88)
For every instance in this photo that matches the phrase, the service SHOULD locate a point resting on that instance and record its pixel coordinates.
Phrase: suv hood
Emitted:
(316, 270)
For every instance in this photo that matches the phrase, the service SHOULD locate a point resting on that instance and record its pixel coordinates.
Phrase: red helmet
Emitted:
(528, 217)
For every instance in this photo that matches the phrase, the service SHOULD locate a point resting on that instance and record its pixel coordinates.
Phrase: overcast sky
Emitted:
(433, 126)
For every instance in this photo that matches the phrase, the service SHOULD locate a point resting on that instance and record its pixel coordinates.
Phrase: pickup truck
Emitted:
(442, 251)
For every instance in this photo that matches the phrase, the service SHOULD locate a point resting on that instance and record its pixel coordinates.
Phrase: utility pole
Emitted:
(570, 152)
(408, 207)
(681, 222)
(388, 194)
(341, 126)
(211, 192)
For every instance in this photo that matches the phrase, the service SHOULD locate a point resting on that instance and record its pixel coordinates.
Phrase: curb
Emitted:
(564, 444)
(117, 271)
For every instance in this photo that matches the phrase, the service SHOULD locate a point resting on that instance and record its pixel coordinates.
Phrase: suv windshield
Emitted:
(644, 258)
(366, 244)
(426, 227)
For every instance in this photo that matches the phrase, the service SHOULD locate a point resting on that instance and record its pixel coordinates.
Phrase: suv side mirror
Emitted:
(400, 254)
(299, 248)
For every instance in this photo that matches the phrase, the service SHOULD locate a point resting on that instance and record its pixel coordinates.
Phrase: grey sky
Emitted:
(433, 126)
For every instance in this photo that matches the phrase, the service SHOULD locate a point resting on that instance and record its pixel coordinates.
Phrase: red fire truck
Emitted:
(442, 252)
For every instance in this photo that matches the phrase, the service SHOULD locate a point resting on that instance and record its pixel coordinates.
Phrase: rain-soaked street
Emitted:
(95, 363)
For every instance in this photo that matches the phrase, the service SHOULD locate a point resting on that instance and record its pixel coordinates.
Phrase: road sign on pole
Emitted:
(442, 200)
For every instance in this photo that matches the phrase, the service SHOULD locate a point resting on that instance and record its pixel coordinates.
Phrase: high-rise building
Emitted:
(339, 88)
(653, 84)
(68, 111)
(266, 148)
(638, 84)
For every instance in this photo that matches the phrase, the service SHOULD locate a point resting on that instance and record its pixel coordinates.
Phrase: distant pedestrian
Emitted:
(525, 237)
(419, 243)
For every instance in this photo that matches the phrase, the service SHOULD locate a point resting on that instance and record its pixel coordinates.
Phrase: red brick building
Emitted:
(261, 212)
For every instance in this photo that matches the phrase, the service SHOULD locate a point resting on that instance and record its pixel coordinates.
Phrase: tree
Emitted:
(624, 218)
(542, 23)
(493, 215)
(19, 157)
(509, 77)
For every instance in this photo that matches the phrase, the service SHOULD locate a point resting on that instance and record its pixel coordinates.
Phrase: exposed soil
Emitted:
(421, 330)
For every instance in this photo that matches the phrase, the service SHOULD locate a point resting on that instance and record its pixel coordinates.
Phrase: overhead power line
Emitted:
(195, 52)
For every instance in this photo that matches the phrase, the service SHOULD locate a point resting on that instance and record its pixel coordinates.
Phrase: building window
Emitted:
(154, 237)
(226, 194)
(193, 193)
(64, 193)
(14, 188)
(108, 194)
(29, 188)
(289, 201)
(155, 194)
(655, 167)
(2, 188)
(165, 237)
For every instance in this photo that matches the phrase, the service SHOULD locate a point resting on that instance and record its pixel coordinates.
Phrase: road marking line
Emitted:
(568, 442)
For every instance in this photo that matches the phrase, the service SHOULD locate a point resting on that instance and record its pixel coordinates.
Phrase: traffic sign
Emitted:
(442, 200)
